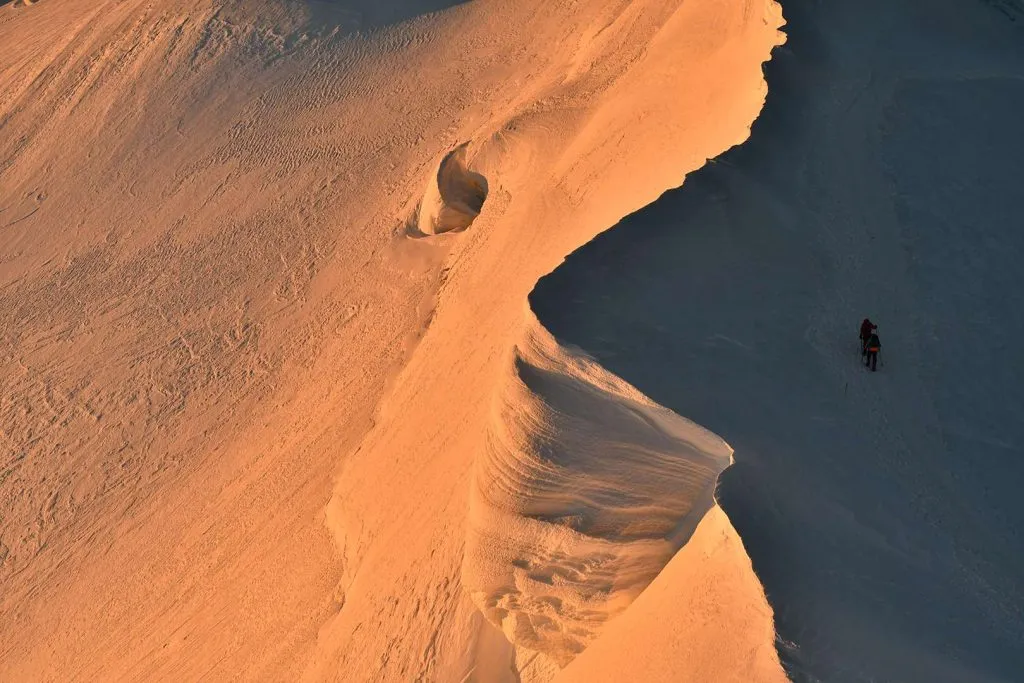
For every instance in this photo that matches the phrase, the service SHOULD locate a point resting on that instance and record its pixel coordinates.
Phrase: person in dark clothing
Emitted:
(866, 328)
(871, 348)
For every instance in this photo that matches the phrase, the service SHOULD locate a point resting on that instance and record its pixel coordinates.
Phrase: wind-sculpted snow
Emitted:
(454, 197)
(585, 491)
(213, 319)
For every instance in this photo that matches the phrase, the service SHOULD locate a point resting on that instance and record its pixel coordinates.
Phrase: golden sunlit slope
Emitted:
(603, 141)
(216, 256)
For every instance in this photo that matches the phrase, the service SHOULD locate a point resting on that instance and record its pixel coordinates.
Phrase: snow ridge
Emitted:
(586, 489)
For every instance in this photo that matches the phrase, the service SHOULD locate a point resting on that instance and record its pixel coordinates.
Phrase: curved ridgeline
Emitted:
(880, 510)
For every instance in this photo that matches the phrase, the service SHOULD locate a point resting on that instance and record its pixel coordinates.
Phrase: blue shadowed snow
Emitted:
(882, 511)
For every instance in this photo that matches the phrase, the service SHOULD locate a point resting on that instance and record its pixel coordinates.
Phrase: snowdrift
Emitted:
(585, 491)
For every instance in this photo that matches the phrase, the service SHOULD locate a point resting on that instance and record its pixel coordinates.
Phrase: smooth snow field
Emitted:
(511, 341)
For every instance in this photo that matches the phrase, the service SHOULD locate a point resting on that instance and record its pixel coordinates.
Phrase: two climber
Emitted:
(869, 344)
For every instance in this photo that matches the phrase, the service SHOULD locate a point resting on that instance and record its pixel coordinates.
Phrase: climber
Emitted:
(866, 328)
(871, 348)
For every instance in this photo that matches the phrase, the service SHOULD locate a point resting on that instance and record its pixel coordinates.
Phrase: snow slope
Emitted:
(263, 272)
(881, 510)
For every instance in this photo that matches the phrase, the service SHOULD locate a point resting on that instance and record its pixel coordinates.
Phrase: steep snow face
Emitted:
(880, 510)
(584, 492)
